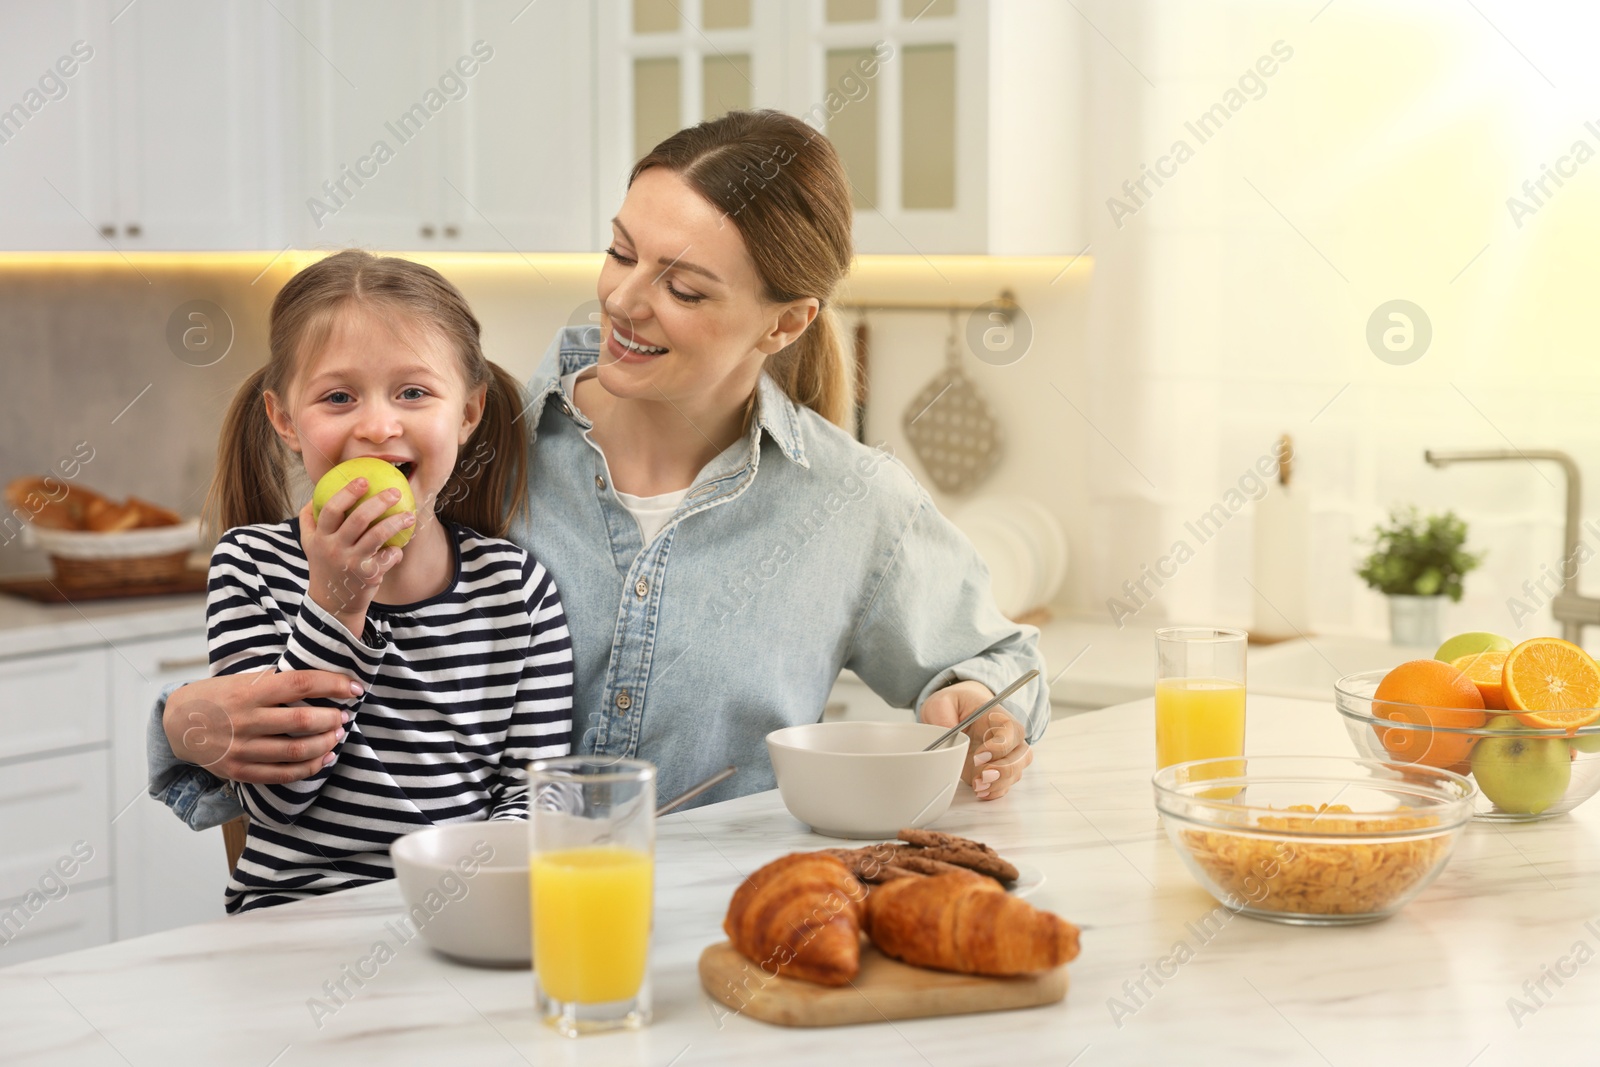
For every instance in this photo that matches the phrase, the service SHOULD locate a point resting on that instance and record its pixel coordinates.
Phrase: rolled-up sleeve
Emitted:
(195, 795)
(931, 621)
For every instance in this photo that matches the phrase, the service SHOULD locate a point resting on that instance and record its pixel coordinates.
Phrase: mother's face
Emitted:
(683, 310)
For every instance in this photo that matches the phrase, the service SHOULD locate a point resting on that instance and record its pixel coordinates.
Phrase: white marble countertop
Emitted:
(27, 627)
(1428, 986)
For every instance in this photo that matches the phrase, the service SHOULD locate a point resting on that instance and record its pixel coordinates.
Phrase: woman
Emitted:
(724, 548)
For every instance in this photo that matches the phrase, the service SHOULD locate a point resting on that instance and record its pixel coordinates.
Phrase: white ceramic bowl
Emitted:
(865, 779)
(466, 890)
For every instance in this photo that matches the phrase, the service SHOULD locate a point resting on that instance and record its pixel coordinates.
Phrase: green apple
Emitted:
(1586, 743)
(380, 475)
(1522, 775)
(1470, 644)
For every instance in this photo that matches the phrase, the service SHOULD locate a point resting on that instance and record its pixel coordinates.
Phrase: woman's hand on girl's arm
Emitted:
(235, 725)
(999, 751)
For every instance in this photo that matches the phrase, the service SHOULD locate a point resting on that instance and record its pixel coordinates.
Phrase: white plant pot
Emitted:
(1414, 620)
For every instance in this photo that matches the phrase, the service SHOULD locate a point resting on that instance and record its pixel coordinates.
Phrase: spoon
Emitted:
(970, 719)
(694, 791)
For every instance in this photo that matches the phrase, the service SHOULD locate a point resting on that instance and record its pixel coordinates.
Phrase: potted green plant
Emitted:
(1417, 561)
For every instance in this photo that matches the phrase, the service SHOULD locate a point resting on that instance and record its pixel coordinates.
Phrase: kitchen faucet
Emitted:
(1571, 610)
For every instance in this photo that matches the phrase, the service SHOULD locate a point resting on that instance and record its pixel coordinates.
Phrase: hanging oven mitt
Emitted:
(951, 428)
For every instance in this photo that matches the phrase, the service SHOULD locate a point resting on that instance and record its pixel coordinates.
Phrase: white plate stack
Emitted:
(1023, 544)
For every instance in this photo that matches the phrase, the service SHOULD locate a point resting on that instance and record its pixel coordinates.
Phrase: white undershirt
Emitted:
(650, 512)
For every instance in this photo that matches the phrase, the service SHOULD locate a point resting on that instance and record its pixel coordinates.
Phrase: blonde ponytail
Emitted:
(818, 373)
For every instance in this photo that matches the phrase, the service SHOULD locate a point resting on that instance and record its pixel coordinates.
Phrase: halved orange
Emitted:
(1551, 684)
(1486, 670)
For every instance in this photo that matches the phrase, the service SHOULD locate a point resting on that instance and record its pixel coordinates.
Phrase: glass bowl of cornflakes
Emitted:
(1313, 840)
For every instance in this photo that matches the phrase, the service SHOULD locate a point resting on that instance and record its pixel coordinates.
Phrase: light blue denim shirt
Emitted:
(797, 552)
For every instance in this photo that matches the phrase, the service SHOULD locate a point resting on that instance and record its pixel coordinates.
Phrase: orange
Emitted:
(1428, 693)
(1485, 670)
(1551, 684)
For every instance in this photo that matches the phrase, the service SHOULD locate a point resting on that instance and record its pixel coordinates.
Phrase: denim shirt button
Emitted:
(624, 701)
(599, 482)
(642, 587)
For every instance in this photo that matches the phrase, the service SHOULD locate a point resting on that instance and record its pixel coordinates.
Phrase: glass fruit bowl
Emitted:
(1313, 840)
(1521, 773)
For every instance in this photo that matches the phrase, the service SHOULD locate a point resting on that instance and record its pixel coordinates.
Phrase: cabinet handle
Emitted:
(132, 229)
(165, 665)
(452, 231)
(427, 230)
(108, 230)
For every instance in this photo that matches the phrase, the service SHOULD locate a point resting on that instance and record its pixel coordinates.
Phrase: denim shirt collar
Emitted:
(578, 350)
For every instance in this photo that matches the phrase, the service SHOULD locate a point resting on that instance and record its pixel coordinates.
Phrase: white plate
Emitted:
(1029, 879)
(1012, 570)
(1049, 541)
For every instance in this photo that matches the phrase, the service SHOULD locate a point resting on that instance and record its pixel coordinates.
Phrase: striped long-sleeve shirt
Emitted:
(461, 690)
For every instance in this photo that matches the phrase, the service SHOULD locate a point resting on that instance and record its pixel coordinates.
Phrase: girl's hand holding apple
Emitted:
(344, 542)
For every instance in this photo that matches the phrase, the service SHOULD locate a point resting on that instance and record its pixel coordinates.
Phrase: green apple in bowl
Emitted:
(1521, 773)
(380, 475)
(1471, 644)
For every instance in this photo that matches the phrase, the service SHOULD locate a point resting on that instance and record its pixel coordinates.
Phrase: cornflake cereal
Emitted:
(1319, 877)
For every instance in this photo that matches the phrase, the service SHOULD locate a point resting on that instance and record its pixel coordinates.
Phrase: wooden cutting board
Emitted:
(885, 989)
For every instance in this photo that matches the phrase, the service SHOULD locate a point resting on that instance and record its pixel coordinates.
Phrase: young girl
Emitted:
(456, 644)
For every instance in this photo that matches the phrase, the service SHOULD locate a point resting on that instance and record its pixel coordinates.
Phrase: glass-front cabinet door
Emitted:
(898, 85)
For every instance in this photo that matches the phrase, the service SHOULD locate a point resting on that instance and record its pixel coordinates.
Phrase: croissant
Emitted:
(965, 922)
(52, 502)
(800, 916)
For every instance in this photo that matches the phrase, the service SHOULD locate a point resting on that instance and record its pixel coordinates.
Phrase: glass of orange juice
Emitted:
(1200, 696)
(591, 867)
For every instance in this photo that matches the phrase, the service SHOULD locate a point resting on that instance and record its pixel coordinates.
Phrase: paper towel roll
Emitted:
(1282, 555)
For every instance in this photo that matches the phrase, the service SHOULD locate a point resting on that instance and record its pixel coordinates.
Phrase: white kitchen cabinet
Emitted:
(463, 126)
(73, 792)
(48, 805)
(164, 136)
(52, 702)
(56, 864)
(369, 146)
(958, 120)
(195, 124)
(55, 127)
(81, 919)
(667, 64)
(519, 151)
(167, 875)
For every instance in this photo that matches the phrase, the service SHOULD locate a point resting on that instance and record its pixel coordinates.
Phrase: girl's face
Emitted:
(385, 386)
(681, 285)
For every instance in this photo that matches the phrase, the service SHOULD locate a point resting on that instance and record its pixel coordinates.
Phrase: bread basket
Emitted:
(83, 558)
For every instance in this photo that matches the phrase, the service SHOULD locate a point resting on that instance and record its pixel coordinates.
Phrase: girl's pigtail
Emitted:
(250, 483)
(489, 489)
